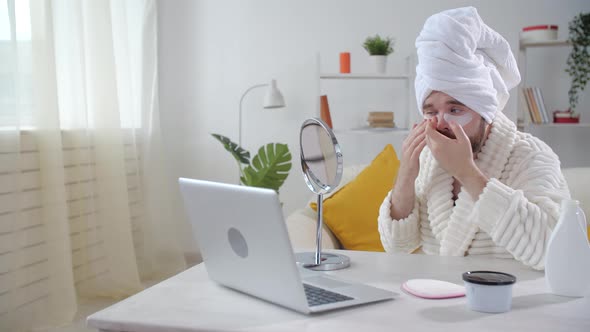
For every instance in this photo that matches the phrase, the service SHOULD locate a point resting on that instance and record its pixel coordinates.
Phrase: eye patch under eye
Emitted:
(461, 120)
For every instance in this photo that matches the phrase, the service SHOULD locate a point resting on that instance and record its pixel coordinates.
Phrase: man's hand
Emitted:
(411, 149)
(403, 195)
(455, 157)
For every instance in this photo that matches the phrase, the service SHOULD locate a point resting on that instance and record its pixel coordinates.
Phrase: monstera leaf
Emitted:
(269, 168)
(242, 156)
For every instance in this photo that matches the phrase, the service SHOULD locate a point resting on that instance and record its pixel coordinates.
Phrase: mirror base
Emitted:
(329, 262)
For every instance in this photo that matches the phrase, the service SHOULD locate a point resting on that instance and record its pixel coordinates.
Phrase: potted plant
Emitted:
(379, 48)
(268, 169)
(578, 62)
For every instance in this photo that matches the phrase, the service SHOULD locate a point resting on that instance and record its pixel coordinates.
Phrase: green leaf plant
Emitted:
(578, 62)
(378, 46)
(268, 169)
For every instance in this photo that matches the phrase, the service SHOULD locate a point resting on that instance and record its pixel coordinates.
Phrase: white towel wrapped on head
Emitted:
(458, 54)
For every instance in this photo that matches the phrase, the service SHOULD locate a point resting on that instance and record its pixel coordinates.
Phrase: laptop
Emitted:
(246, 247)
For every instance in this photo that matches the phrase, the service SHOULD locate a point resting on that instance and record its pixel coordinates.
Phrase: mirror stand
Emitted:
(321, 163)
(317, 260)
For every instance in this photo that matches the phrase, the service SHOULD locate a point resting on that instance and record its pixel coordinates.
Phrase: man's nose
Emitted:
(441, 123)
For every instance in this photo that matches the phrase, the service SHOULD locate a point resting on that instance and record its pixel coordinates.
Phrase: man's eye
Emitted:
(430, 114)
(456, 111)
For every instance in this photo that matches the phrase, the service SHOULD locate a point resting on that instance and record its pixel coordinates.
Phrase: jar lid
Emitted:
(489, 278)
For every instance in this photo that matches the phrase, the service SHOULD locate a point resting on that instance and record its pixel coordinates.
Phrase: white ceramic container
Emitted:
(489, 291)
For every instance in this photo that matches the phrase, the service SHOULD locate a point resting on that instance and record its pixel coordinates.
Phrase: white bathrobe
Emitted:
(513, 217)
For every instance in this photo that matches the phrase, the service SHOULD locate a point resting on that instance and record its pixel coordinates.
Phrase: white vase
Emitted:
(567, 260)
(380, 63)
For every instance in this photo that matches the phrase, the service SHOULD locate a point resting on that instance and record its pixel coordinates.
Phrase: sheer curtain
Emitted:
(87, 206)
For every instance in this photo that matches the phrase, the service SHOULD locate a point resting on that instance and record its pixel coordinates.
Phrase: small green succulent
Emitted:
(379, 46)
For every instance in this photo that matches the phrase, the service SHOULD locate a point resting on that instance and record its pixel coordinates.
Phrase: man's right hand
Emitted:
(403, 194)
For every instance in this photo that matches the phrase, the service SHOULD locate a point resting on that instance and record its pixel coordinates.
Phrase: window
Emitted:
(71, 48)
(15, 64)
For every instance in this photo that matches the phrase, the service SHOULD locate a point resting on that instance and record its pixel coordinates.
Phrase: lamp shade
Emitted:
(273, 97)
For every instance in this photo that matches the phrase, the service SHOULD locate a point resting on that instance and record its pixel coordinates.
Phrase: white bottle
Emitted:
(567, 260)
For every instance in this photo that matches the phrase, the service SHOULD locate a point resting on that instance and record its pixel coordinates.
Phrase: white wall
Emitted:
(212, 50)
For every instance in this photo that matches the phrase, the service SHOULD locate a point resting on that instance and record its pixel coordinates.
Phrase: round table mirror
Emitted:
(321, 163)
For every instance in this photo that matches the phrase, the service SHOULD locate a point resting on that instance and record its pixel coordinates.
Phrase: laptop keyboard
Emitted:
(319, 296)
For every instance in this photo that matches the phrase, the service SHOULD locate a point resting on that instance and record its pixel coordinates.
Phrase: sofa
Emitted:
(301, 224)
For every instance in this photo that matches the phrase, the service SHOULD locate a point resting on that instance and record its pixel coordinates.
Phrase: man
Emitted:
(469, 183)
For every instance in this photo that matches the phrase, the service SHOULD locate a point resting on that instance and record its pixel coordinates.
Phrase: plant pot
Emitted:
(380, 63)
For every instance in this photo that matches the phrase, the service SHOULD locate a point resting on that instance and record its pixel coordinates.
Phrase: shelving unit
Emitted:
(523, 116)
(354, 76)
(359, 142)
(548, 43)
(406, 76)
(563, 138)
(561, 125)
(372, 131)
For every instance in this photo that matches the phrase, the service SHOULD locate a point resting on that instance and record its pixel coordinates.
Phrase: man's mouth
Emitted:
(448, 134)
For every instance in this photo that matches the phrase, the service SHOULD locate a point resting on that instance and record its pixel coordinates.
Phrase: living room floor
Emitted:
(86, 307)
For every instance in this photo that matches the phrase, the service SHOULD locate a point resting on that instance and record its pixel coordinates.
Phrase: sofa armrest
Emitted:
(301, 225)
(578, 181)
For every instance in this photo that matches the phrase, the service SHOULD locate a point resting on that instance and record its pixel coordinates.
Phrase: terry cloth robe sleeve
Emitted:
(521, 213)
(399, 235)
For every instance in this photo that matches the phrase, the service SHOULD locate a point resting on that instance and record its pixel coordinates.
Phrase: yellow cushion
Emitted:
(351, 213)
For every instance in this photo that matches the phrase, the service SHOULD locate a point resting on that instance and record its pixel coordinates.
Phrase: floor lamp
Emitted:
(272, 99)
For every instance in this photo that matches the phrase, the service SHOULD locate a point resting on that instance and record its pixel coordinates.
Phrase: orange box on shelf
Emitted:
(345, 63)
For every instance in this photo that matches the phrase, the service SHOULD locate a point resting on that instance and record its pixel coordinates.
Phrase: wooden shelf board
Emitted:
(547, 43)
(355, 76)
(369, 130)
(558, 125)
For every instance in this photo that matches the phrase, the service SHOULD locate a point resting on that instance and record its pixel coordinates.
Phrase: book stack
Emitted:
(536, 105)
(325, 111)
(566, 117)
(381, 120)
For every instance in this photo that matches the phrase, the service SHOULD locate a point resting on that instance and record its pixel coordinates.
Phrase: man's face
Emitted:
(446, 108)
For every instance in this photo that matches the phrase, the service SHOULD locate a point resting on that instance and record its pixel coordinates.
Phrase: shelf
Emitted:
(338, 76)
(547, 43)
(558, 125)
(369, 130)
